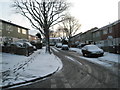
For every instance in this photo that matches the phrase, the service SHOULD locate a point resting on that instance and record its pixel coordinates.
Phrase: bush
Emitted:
(17, 50)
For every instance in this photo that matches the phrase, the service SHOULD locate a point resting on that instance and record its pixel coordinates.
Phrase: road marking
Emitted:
(89, 69)
(72, 59)
(67, 85)
(55, 49)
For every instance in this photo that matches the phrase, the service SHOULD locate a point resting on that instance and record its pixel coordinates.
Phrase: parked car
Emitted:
(30, 48)
(28, 45)
(58, 45)
(65, 47)
(52, 44)
(92, 50)
(16, 44)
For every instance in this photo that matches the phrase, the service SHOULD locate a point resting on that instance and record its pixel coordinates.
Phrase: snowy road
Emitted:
(77, 73)
(109, 60)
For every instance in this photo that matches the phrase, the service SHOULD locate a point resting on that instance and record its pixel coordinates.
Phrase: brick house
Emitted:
(106, 37)
(75, 38)
(87, 37)
(10, 32)
(111, 34)
(32, 37)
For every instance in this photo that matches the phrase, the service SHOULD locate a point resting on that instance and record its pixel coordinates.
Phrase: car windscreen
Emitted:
(92, 47)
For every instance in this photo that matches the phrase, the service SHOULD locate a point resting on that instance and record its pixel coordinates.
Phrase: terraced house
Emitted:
(10, 32)
(106, 37)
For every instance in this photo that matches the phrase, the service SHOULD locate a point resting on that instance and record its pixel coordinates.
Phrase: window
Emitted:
(105, 43)
(94, 35)
(0, 31)
(8, 27)
(98, 33)
(105, 31)
(19, 31)
(110, 42)
(24, 31)
(110, 29)
(1, 26)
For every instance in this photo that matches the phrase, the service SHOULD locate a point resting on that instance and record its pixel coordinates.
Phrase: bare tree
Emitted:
(61, 32)
(42, 15)
(51, 33)
(70, 26)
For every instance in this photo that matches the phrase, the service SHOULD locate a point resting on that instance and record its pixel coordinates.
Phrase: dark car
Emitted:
(17, 44)
(92, 50)
(30, 48)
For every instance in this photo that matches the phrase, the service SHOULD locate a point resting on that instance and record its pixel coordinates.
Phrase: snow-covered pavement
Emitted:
(18, 68)
(109, 60)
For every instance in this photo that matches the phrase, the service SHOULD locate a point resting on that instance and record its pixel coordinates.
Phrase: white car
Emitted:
(65, 47)
(59, 45)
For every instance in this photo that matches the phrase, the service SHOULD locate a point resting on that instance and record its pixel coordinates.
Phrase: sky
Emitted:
(90, 13)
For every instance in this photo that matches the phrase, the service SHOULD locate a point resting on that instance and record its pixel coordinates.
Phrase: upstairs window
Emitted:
(1, 27)
(110, 29)
(9, 27)
(105, 31)
(19, 30)
(24, 31)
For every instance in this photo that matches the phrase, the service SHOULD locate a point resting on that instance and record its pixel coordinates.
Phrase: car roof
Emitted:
(89, 45)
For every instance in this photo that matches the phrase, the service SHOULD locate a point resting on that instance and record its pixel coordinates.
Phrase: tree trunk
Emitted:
(69, 41)
(46, 28)
(47, 42)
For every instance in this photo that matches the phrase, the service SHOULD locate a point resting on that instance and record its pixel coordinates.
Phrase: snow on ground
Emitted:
(18, 68)
(107, 56)
(109, 60)
(76, 50)
(111, 57)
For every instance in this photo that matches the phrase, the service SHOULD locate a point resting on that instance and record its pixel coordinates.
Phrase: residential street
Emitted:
(59, 44)
(77, 73)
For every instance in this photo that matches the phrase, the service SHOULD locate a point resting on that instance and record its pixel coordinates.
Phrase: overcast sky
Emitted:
(90, 13)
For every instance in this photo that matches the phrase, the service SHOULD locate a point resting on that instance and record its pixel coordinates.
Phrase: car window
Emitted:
(84, 48)
(93, 48)
(25, 45)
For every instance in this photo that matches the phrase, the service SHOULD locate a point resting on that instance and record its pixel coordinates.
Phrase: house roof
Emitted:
(13, 24)
(76, 35)
(114, 23)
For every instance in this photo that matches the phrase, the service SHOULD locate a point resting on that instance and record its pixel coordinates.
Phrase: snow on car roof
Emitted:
(91, 47)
